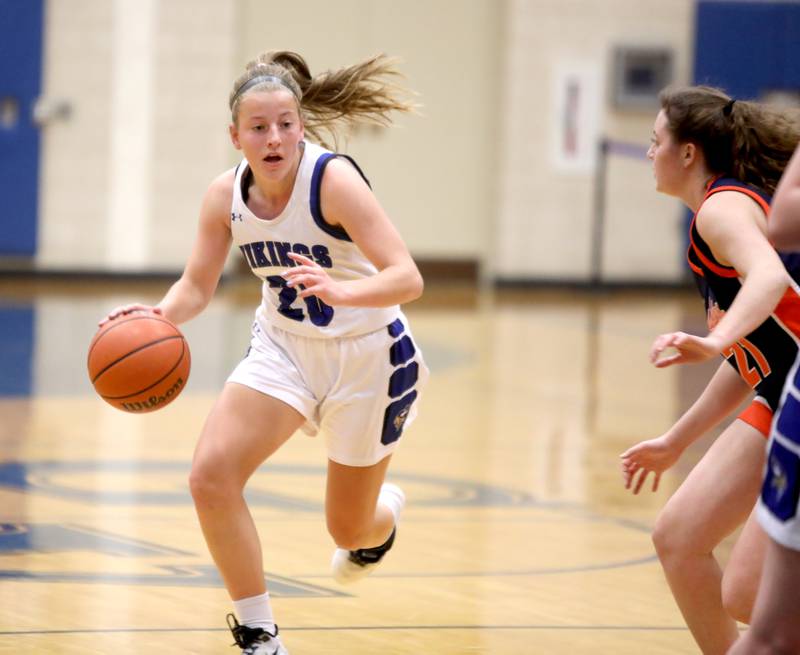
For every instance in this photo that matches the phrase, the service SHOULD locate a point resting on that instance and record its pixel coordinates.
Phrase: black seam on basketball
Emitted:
(133, 352)
(166, 375)
(132, 318)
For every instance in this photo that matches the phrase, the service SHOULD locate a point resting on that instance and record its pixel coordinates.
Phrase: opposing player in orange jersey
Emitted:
(723, 159)
(775, 628)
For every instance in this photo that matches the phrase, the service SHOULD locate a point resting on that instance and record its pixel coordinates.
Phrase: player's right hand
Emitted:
(128, 309)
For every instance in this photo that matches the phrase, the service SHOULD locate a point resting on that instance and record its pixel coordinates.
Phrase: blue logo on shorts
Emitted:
(781, 484)
(395, 418)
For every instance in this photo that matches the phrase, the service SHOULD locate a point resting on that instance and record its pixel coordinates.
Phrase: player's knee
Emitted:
(736, 599)
(208, 485)
(347, 535)
(736, 602)
(665, 539)
(672, 541)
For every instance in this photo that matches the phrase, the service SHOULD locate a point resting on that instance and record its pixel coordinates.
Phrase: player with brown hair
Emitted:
(723, 158)
(775, 628)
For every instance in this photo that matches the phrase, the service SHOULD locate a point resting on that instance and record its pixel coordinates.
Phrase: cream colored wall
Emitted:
(434, 173)
(472, 176)
(196, 44)
(123, 175)
(545, 214)
(74, 174)
(148, 82)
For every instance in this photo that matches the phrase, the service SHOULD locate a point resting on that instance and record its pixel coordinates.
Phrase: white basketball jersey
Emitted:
(301, 228)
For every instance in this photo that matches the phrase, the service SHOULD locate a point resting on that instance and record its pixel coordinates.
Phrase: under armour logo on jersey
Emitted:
(235, 217)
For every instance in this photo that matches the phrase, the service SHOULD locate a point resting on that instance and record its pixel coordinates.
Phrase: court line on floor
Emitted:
(396, 628)
(490, 574)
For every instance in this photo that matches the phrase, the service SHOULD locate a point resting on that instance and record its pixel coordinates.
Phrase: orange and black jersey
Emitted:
(764, 357)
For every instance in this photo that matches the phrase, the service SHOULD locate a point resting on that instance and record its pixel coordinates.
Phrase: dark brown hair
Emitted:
(746, 140)
(366, 92)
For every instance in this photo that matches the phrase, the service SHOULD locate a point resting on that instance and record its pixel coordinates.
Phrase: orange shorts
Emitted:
(759, 415)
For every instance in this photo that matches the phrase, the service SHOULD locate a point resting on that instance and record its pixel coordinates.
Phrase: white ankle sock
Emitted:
(392, 497)
(255, 612)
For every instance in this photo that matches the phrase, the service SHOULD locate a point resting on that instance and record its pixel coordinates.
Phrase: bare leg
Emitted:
(741, 576)
(243, 429)
(355, 520)
(713, 501)
(776, 622)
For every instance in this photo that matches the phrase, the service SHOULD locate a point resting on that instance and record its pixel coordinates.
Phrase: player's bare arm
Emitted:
(194, 290)
(347, 201)
(734, 227)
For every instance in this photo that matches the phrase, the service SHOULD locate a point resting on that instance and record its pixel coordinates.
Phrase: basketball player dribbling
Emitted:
(330, 349)
(723, 159)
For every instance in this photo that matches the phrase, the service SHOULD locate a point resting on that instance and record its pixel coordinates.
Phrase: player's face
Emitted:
(268, 132)
(665, 154)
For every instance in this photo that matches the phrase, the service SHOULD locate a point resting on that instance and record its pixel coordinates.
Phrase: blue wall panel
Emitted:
(748, 48)
(21, 26)
(17, 343)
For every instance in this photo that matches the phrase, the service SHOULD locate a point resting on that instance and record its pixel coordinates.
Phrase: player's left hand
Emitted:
(310, 279)
(651, 456)
(690, 348)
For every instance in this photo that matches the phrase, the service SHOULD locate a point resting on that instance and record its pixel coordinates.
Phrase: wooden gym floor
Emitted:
(518, 538)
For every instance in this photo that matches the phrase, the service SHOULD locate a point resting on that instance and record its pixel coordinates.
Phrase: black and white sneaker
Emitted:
(255, 641)
(351, 565)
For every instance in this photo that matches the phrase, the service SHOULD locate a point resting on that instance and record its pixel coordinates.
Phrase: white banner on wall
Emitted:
(576, 116)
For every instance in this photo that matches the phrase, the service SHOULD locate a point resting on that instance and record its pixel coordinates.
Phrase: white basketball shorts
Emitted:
(359, 392)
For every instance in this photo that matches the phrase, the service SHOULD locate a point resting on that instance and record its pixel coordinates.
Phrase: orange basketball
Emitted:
(139, 362)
